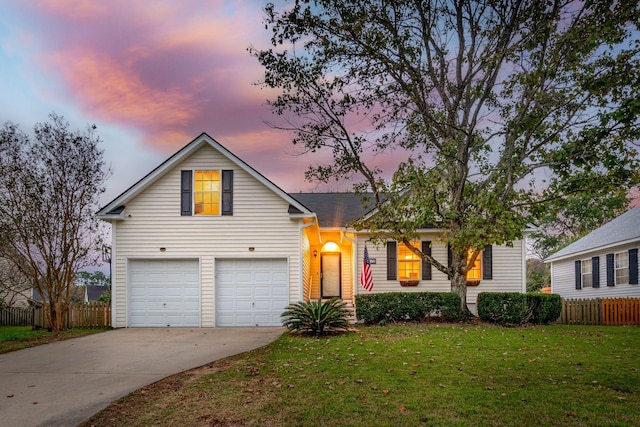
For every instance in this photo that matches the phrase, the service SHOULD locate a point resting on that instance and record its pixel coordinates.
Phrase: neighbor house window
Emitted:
(475, 272)
(622, 268)
(206, 194)
(408, 263)
(586, 272)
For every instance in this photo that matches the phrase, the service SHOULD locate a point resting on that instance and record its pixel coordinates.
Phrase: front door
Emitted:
(330, 275)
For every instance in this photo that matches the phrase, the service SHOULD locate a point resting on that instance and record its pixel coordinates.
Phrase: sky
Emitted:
(152, 75)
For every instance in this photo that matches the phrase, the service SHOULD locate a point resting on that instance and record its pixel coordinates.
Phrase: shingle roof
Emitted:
(621, 229)
(334, 210)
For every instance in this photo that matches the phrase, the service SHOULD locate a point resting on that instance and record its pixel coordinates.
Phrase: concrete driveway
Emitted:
(64, 383)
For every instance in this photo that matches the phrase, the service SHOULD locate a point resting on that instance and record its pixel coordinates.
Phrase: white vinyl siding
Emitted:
(507, 270)
(563, 279)
(152, 221)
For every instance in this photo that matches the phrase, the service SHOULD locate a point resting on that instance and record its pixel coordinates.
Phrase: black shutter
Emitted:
(595, 271)
(449, 256)
(392, 262)
(611, 272)
(578, 275)
(185, 193)
(633, 266)
(487, 263)
(426, 266)
(227, 192)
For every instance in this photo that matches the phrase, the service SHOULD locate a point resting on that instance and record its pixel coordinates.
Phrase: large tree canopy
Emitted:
(49, 189)
(505, 108)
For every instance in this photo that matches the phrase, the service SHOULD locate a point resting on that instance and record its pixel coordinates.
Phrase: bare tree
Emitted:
(505, 108)
(49, 189)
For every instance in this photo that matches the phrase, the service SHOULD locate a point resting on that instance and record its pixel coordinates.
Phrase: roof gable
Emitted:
(624, 228)
(115, 208)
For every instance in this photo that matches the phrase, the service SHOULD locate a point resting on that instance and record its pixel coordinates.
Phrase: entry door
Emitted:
(330, 275)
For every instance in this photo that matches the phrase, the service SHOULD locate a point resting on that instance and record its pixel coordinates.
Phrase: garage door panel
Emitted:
(259, 290)
(164, 293)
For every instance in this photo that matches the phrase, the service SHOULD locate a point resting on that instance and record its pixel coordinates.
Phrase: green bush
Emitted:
(407, 306)
(505, 308)
(315, 317)
(544, 308)
(512, 308)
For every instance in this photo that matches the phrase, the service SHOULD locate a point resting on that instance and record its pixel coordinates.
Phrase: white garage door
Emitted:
(251, 292)
(164, 293)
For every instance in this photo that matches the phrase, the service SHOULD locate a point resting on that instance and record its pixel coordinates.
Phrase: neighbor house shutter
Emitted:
(392, 262)
(611, 272)
(487, 263)
(227, 192)
(426, 266)
(578, 274)
(185, 192)
(595, 271)
(633, 266)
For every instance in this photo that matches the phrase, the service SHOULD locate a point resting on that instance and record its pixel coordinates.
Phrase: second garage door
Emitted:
(251, 292)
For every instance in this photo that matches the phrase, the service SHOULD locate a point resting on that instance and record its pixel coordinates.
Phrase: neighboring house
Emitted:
(93, 293)
(205, 240)
(604, 263)
(15, 287)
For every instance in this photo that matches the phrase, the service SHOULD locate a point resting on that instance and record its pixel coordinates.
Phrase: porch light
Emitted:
(315, 253)
(331, 247)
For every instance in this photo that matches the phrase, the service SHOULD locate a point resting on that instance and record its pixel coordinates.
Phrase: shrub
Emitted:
(506, 308)
(315, 317)
(407, 306)
(544, 308)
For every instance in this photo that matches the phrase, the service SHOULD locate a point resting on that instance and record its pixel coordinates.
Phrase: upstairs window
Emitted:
(206, 194)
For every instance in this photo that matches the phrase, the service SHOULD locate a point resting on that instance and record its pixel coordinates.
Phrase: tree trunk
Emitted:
(459, 281)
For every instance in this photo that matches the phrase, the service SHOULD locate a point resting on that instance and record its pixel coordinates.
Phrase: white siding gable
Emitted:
(152, 221)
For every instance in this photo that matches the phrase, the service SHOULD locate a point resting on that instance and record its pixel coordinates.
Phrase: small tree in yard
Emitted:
(503, 109)
(49, 189)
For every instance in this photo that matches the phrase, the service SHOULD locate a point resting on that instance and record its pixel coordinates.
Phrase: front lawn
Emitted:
(409, 375)
(18, 337)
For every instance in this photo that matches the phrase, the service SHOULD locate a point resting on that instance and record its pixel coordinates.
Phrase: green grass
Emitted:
(446, 375)
(18, 337)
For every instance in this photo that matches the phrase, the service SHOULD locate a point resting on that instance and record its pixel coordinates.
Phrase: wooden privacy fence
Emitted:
(93, 315)
(16, 316)
(600, 311)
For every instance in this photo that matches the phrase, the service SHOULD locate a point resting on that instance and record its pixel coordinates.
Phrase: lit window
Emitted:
(206, 193)
(622, 268)
(475, 272)
(587, 277)
(408, 263)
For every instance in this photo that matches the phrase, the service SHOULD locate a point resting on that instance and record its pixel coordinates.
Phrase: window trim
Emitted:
(584, 274)
(616, 268)
(418, 270)
(219, 171)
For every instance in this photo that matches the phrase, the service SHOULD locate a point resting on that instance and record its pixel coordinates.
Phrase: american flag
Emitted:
(365, 275)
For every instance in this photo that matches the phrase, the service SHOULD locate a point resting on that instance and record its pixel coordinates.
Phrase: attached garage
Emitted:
(251, 292)
(164, 293)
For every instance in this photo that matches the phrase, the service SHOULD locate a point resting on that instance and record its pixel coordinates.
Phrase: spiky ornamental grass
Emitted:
(316, 317)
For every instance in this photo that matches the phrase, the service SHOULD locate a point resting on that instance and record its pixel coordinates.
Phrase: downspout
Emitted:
(524, 263)
(314, 219)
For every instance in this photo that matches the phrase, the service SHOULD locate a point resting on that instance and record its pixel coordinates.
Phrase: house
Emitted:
(604, 263)
(92, 293)
(204, 240)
